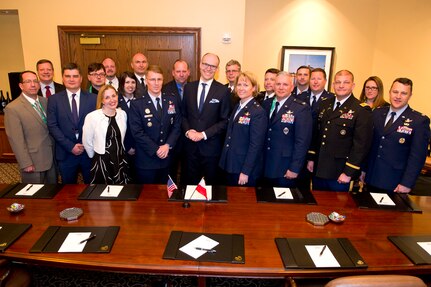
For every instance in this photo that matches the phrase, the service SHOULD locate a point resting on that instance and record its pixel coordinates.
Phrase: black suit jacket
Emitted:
(58, 88)
(170, 88)
(129, 142)
(213, 119)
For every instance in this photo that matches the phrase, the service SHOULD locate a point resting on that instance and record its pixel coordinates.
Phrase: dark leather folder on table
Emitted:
(9, 232)
(266, 194)
(402, 201)
(294, 253)
(219, 194)
(46, 192)
(52, 239)
(410, 247)
(94, 191)
(230, 248)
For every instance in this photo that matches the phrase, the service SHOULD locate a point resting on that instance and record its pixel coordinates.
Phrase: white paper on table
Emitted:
(72, 242)
(29, 189)
(327, 259)
(426, 246)
(382, 199)
(203, 242)
(112, 191)
(196, 195)
(282, 193)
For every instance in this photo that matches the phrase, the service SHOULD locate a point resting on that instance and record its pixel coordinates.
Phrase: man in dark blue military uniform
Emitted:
(288, 135)
(400, 142)
(155, 122)
(341, 137)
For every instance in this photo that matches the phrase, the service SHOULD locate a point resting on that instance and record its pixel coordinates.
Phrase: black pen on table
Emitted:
(108, 188)
(281, 194)
(88, 239)
(28, 188)
(323, 250)
(205, 249)
(381, 199)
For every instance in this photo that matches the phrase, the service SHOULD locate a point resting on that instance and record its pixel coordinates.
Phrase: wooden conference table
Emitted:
(145, 226)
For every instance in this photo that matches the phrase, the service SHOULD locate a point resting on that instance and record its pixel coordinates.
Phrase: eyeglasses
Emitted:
(30, 81)
(206, 66)
(97, 75)
(232, 71)
(371, 88)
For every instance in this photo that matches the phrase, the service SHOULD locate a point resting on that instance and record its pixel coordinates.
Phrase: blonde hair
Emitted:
(252, 78)
(101, 93)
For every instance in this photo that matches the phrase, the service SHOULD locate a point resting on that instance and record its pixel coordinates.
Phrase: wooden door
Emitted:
(162, 46)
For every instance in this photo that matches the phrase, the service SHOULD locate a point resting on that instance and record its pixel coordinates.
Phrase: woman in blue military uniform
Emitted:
(241, 157)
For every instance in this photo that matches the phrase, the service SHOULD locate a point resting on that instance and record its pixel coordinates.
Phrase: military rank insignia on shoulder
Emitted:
(299, 102)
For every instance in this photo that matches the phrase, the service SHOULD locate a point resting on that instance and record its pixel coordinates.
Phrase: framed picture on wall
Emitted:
(293, 57)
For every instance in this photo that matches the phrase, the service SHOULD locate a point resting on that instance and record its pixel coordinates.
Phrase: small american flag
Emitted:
(171, 186)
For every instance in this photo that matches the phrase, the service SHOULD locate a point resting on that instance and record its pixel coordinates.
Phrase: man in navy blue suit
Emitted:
(302, 79)
(155, 122)
(181, 74)
(65, 118)
(288, 135)
(313, 98)
(206, 110)
(400, 142)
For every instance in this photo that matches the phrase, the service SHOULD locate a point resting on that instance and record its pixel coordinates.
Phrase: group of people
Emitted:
(138, 129)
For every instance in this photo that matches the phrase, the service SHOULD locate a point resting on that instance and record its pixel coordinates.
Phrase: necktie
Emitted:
(337, 106)
(181, 91)
(74, 110)
(159, 108)
(237, 110)
(142, 82)
(202, 98)
(110, 82)
(275, 111)
(390, 122)
(48, 92)
(39, 109)
(313, 102)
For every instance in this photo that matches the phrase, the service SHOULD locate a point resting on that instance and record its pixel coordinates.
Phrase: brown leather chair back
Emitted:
(377, 281)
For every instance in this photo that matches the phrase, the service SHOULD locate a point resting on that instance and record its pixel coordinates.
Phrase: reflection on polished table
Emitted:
(145, 226)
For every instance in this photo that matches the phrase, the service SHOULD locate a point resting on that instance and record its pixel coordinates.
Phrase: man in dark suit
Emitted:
(317, 92)
(313, 99)
(341, 137)
(175, 88)
(25, 124)
(155, 121)
(45, 71)
(66, 115)
(139, 66)
(181, 74)
(268, 84)
(111, 72)
(233, 69)
(400, 142)
(302, 78)
(288, 135)
(205, 116)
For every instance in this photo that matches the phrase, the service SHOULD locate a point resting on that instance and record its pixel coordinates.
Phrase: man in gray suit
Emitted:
(25, 123)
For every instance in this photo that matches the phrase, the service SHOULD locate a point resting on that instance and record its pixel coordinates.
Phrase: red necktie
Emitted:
(48, 92)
